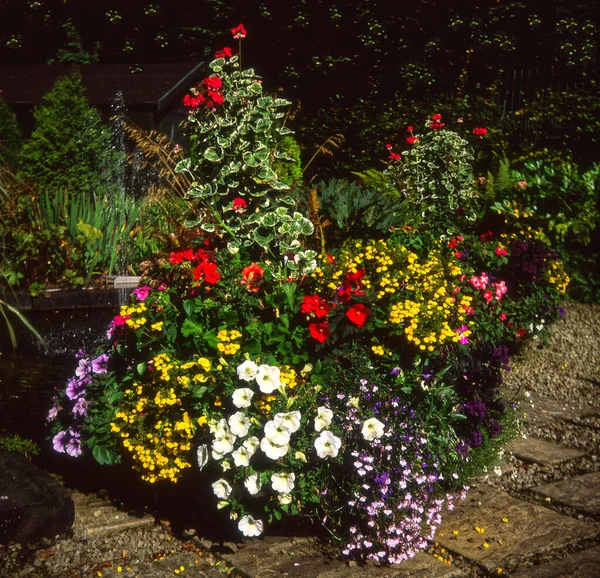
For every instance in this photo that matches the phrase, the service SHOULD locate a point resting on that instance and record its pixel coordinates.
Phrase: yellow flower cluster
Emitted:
(419, 296)
(264, 403)
(163, 365)
(136, 315)
(288, 376)
(558, 277)
(226, 338)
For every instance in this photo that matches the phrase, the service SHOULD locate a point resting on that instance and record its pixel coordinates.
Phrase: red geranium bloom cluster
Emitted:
(412, 139)
(207, 271)
(315, 304)
(480, 131)
(239, 205)
(239, 32)
(436, 124)
(226, 52)
(209, 94)
(178, 257)
(351, 286)
(252, 277)
(393, 155)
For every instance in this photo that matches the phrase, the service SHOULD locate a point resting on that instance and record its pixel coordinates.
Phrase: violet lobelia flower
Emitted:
(100, 364)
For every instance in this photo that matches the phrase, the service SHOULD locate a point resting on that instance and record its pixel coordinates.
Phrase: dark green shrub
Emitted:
(11, 138)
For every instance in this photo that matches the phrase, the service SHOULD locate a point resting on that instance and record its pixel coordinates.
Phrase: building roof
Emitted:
(149, 86)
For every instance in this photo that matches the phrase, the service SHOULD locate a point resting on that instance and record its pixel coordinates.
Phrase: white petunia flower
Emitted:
(252, 483)
(300, 456)
(224, 444)
(218, 428)
(251, 444)
(250, 527)
(283, 483)
(277, 433)
(239, 424)
(272, 450)
(290, 420)
(323, 419)
(242, 397)
(247, 371)
(327, 445)
(372, 429)
(222, 489)
(268, 378)
(241, 457)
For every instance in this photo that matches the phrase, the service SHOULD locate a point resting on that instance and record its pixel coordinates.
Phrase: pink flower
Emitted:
(501, 252)
(239, 205)
(500, 289)
(488, 296)
(141, 293)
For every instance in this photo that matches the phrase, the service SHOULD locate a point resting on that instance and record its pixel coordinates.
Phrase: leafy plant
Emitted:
(17, 443)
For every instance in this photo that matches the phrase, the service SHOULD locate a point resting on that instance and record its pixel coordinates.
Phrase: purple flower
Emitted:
(53, 413)
(494, 428)
(99, 365)
(462, 448)
(81, 354)
(142, 293)
(474, 409)
(75, 388)
(74, 447)
(84, 368)
(396, 371)
(476, 438)
(59, 442)
(81, 407)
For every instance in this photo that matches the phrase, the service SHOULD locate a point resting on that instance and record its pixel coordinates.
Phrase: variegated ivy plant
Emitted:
(235, 129)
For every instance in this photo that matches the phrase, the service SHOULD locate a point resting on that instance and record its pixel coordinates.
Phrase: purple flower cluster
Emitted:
(73, 401)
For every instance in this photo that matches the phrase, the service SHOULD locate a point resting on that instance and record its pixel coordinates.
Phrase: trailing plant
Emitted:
(17, 443)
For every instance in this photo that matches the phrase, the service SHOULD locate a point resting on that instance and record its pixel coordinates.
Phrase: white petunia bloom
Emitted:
(241, 457)
(223, 444)
(252, 483)
(372, 429)
(323, 419)
(273, 451)
(242, 397)
(218, 428)
(290, 420)
(327, 445)
(239, 424)
(268, 378)
(277, 433)
(251, 444)
(247, 371)
(283, 483)
(222, 489)
(250, 527)
(285, 499)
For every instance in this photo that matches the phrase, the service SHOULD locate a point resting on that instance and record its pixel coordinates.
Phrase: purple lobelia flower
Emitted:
(59, 442)
(99, 365)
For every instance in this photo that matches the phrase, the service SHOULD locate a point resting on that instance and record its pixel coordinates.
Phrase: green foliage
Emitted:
(234, 146)
(17, 443)
(73, 51)
(69, 147)
(11, 138)
(289, 172)
(434, 179)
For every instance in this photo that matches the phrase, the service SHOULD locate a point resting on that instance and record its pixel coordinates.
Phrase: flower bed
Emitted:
(359, 386)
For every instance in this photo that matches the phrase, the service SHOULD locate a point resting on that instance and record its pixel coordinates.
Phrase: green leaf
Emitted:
(142, 367)
(262, 240)
(249, 160)
(269, 220)
(191, 327)
(198, 392)
(211, 154)
(261, 154)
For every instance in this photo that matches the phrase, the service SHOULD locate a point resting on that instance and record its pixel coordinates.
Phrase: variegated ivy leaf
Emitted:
(269, 220)
(211, 154)
(263, 240)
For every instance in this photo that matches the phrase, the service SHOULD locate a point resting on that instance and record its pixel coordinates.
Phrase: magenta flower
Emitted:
(141, 293)
(99, 365)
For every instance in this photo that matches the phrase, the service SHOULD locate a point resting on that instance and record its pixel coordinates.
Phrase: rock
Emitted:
(582, 565)
(542, 452)
(497, 530)
(36, 505)
(579, 492)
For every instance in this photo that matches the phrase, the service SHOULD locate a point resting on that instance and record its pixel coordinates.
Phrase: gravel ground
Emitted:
(566, 369)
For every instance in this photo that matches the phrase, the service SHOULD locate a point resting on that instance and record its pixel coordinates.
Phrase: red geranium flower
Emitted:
(436, 117)
(239, 205)
(213, 83)
(217, 98)
(225, 53)
(208, 271)
(480, 131)
(345, 292)
(395, 157)
(319, 331)
(358, 314)
(252, 277)
(411, 140)
(239, 32)
(501, 252)
(356, 277)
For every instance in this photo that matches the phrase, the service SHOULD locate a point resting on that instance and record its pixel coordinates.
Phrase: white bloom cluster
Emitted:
(266, 376)
(278, 433)
(327, 445)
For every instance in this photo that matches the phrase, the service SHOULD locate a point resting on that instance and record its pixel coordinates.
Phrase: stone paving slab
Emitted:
(584, 564)
(541, 409)
(512, 529)
(421, 566)
(579, 492)
(185, 564)
(542, 452)
(303, 557)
